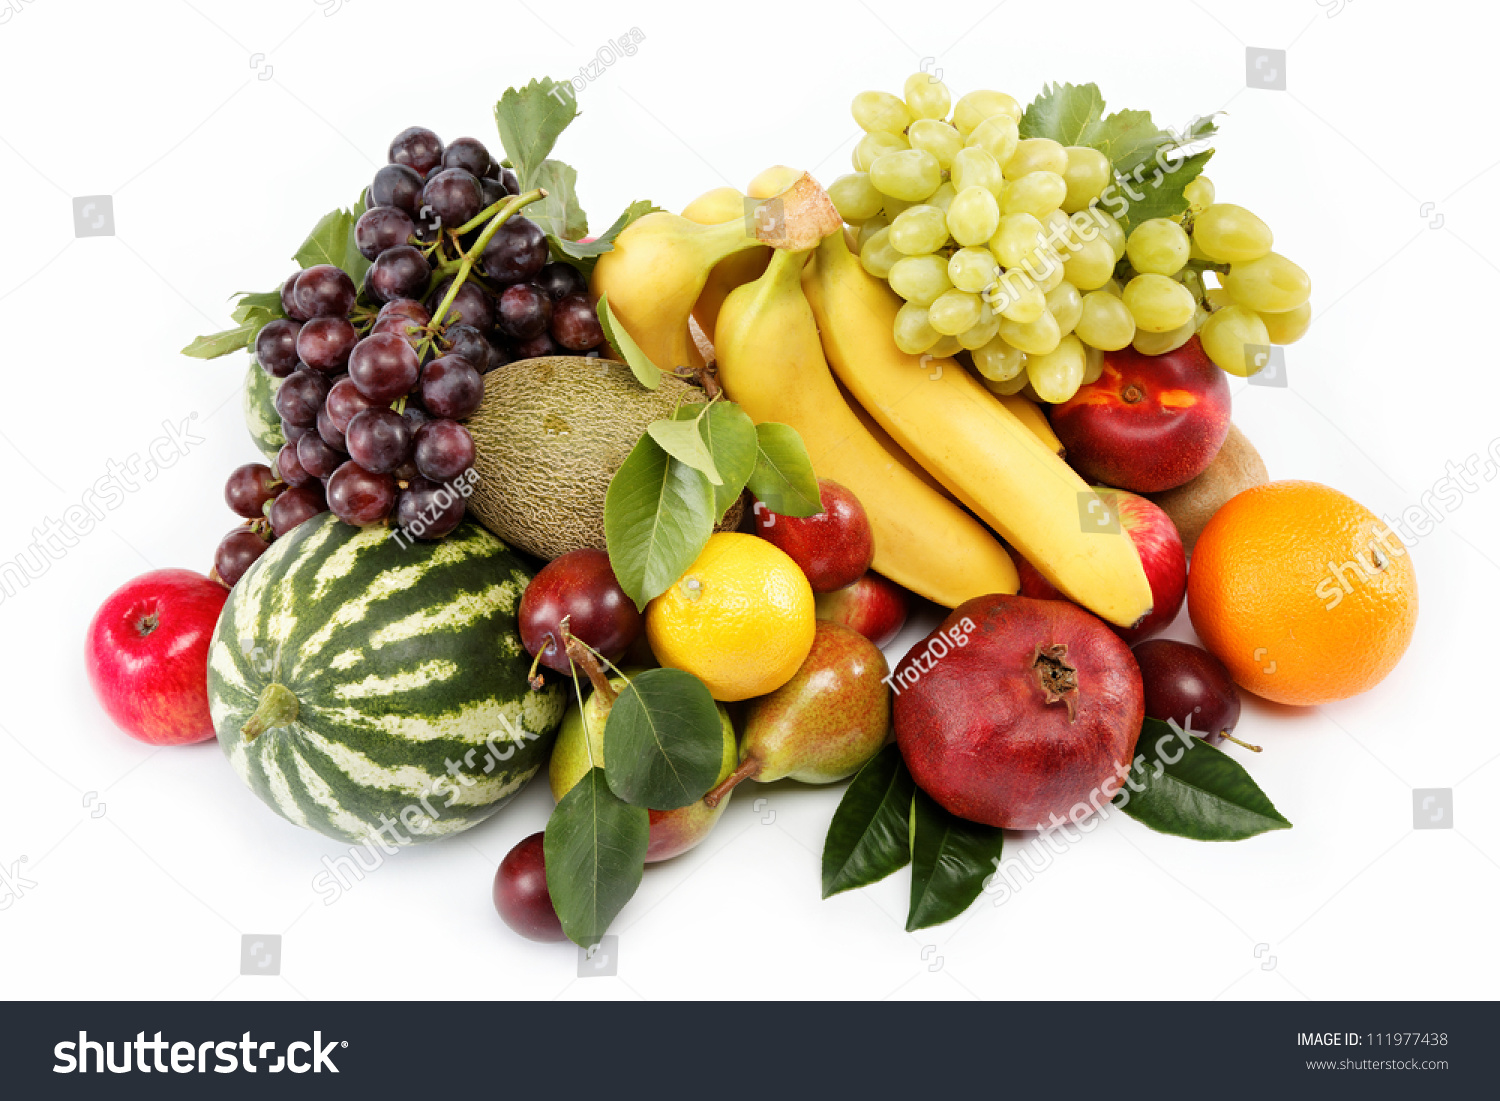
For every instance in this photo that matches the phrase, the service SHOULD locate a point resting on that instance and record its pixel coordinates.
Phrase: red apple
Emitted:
(1160, 547)
(147, 655)
(1148, 423)
(834, 548)
(874, 606)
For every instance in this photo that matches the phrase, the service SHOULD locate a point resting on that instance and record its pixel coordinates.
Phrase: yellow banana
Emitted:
(1030, 414)
(720, 205)
(659, 264)
(771, 363)
(773, 181)
(960, 432)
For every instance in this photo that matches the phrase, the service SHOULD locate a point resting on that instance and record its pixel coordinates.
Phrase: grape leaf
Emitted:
(588, 250)
(530, 120)
(870, 835)
(646, 373)
(595, 852)
(1193, 790)
(658, 514)
(682, 440)
(663, 741)
(214, 345)
(950, 859)
(783, 477)
(1064, 113)
(1161, 192)
(559, 213)
(730, 436)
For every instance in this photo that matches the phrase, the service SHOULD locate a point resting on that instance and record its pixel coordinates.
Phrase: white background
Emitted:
(217, 174)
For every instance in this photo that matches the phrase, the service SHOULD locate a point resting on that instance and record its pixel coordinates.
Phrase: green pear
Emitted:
(672, 831)
(824, 723)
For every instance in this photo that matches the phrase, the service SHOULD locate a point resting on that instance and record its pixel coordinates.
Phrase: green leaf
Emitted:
(595, 851)
(663, 741)
(869, 836)
(332, 242)
(646, 373)
(269, 301)
(1133, 149)
(530, 119)
(658, 515)
(1195, 791)
(950, 859)
(1161, 192)
(783, 476)
(221, 344)
(729, 434)
(1063, 112)
(591, 250)
(559, 213)
(682, 440)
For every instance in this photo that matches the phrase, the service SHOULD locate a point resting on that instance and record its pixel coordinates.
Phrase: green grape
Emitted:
(942, 198)
(1093, 365)
(1272, 284)
(855, 197)
(997, 136)
(926, 96)
(874, 145)
(998, 361)
(913, 334)
(1283, 328)
(919, 230)
(1056, 375)
(974, 216)
(1199, 193)
(1230, 234)
(1035, 338)
(877, 255)
(1236, 338)
(1091, 266)
(1010, 387)
(1035, 193)
(982, 333)
(973, 269)
(1216, 298)
(954, 312)
(1113, 288)
(1036, 155)
(1060, 231)
(909, 174)
(894, 208)
(1066, 305)
(1087, 174)
(1049, 271)
(1109, 228)
(1016, 297)
(976, 107)
(938, 138)
(920, 279)
(945, 348)
(1158, 304)
(1158, 246)
(1159, 344)
(973, 167)
(880, 112)
(1104, 322)
(869, 227)
(1016, 237)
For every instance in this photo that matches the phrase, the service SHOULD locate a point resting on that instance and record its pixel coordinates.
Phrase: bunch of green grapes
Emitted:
(1002, 249)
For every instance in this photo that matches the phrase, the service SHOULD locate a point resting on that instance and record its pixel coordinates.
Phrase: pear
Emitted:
(673, 832)
(824, 723)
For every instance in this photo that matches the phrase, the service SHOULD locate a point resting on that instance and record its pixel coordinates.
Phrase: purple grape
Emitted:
(248, 488)
(492, 192)
(537, 347)
(379, 440)
(288, 299)
(451, 388)
(428, 510)
(396, 325)
(344, 402)
(525, 311)
(454, 196)
(324, 291)
(325, 343)
(442, 450)
(468, 154)
(406, 307)
(399, 272)
(300, 396)
(289, 467)
(276, 347)
(384, 367)
(329, 432)
(517, 251)
(472, 305)
(561, 280)
(575, 324)
(291, 433)
(398, 186)
(317, 457)
(380, 228)
(296, 505)
(468, 343)
(417, 147)
(236, 552)
(508, 178)
(358, 496)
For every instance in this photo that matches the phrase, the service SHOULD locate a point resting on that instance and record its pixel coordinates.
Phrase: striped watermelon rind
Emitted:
(261, 417)
(413, 705)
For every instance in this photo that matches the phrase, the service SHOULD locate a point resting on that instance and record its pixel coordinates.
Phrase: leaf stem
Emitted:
(507, 207)
(582, 656)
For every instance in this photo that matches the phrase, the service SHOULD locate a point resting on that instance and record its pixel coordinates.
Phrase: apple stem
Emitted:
(1230, 737)
(748, 770)
(278, 706)
(581, 656)
(149, 622)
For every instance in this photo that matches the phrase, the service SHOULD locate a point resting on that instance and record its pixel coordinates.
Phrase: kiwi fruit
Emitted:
(1236, 468)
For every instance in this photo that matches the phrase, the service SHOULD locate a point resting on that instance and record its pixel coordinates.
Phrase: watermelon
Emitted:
(356, 680)
(260, 411)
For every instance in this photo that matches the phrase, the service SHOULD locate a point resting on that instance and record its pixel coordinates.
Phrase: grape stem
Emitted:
(507, 208)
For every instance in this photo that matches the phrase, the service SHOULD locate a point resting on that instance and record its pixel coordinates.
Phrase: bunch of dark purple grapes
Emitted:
(375, 380)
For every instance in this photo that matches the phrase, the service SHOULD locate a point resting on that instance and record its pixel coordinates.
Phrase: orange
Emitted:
(740, 619)
(1305, 594)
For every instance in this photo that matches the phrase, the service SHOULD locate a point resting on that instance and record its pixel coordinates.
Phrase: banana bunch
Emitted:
(802, 335)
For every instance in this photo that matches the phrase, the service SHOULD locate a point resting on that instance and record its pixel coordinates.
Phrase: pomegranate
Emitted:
(1017, 712)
